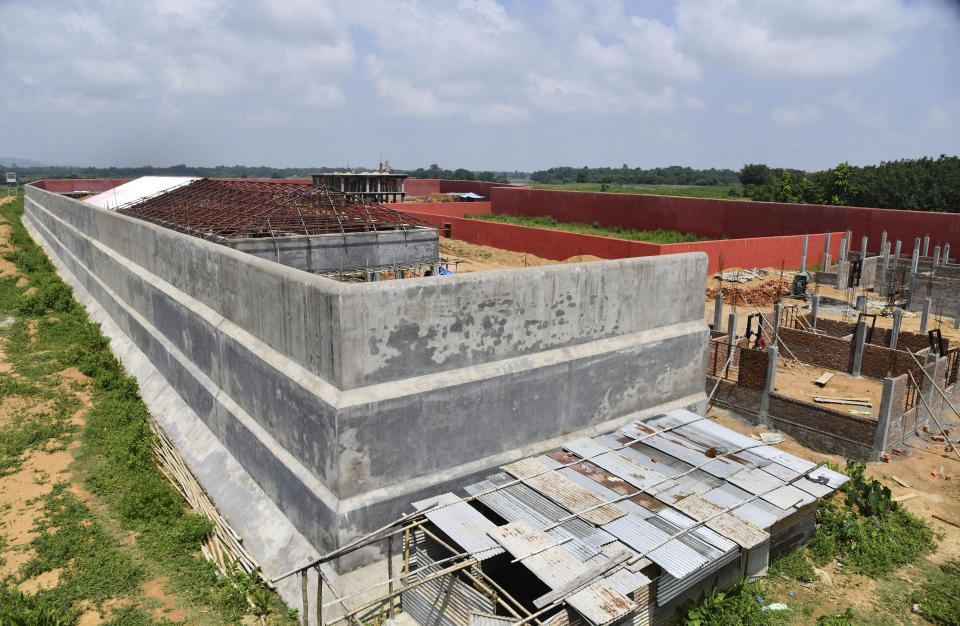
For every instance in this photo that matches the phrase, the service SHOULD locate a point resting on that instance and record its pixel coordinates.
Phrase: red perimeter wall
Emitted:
(729, 218)
(561, 245)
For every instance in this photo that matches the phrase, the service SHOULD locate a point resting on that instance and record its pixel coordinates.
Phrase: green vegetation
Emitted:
(744, 604)
(672, 175)
(939, 597)
(90, 547)
(914, 184)
(794, 565)
(837, 619)
(650, 236)
(688, 191)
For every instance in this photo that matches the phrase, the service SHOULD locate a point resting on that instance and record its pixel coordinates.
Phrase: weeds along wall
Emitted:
(561, 245)
(346, 402)
(716, 218)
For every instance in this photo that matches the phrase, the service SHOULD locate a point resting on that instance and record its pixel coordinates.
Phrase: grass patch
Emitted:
(793, 565)
(744, 603)
(52, 332)
(939, 597)
(650, 236)
(689, 191)
(868, 532)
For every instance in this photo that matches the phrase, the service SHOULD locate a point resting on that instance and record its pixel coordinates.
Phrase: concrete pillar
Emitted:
(915, 262)
(861, 304)
(880, 435)
(777, 319)
(826, 252)
(896, 254)
(883, 239)
(815, 310)
(841, 276)
(956, 317)
(925, 315)
(916, 246)
(859, 340)
(936, 256)
(803, 255)
(401, 273)
(435, 269)
(946, 253)
(717, 311)
(926, 245)
(731, 328)
(931, 365)
(863, 248)
(895, 331)
(768, 382)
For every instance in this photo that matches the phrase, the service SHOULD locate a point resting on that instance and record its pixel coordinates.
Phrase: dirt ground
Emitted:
(477, 258)
(796, 381)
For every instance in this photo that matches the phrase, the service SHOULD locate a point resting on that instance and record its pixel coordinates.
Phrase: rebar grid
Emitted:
(219, 209)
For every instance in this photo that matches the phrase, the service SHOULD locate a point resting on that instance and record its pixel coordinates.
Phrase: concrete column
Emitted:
(401, 273)
(895, 331)
(803, 255)
(946, 253)
(859, 339)
(956, 317)
(931, 365)
(883, 420)
(863, 248)
(883, 239)
(768, 382)
(826, 252)
(815, 309)
(886, 255)
(896, 254)
(731, 328)
(435, 269)
(926, 245)
(936, 256)
(915, 262)
(777, 319)
(916, 246)
(717, 311)
(861, 304)
(925, 315)
(841, 277)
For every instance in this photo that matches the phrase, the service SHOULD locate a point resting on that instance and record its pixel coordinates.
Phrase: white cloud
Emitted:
(815, 38)
(795, 115)
(740, 107)
(845, 101)
(941, 116)
(498, 113)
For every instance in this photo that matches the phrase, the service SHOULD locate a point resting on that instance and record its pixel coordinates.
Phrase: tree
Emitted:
(462, 174)
(784, 191)
(754, 174)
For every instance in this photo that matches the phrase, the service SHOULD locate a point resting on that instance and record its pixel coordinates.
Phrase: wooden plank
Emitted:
(903, 483)
(904, 498)
(823, 380)
(564, 491)
(849, 401)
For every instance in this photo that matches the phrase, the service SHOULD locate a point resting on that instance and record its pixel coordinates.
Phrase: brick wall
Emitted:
(881, 362)
(820, 350)
(881, 336)
(822, 428)
(944, 293)
(753, 369)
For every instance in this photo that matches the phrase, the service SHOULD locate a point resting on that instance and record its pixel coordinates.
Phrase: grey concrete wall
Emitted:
(944, 294)
(344, 403)
(352, 251)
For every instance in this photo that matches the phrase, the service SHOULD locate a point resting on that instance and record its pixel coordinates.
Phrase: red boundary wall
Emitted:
(561, 245)
(717, 219)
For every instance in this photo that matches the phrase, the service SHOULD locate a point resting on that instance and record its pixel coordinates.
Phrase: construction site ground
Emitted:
(885, 600)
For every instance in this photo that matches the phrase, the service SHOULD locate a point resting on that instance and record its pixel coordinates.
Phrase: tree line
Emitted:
(672, 175)
(923, 184)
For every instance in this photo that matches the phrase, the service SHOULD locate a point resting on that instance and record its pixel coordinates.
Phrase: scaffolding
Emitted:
(220, 209)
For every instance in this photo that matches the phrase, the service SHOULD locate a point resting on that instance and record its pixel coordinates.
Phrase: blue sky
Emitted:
(478, 83)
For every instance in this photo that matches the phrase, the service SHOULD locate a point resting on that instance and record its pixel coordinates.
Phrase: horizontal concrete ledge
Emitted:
(421, 483)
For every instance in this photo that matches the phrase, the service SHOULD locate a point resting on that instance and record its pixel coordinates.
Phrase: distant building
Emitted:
(372, 187)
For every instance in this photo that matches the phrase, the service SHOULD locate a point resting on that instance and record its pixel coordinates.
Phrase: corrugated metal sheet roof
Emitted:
(639, 476)
(642, 535)
(564, 492)
(464, 524)
(734, 528)
(480, 619)
(601, 604)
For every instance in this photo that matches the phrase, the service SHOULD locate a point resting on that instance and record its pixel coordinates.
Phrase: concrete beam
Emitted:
(717, 311)
(895, 331)
(881, 434)
(925, 315)
(768, 383)
(859, 340)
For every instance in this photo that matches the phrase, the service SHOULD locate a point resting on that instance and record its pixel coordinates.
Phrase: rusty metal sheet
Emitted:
(639, 476)
(539, 553)
(462, 523)
(606, 480)
(601, 604)
(645, 537)
(727, 524)
(564, 492)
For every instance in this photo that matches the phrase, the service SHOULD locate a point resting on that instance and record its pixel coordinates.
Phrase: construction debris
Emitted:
(763, 294)
(741, 276)
(823, 380)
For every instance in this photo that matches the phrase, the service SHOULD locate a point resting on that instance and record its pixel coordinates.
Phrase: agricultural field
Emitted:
(688, 191)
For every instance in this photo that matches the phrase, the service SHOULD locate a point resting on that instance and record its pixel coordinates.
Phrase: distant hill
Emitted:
(8, 161)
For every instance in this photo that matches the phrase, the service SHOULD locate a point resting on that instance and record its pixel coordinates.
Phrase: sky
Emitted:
(480, 84)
